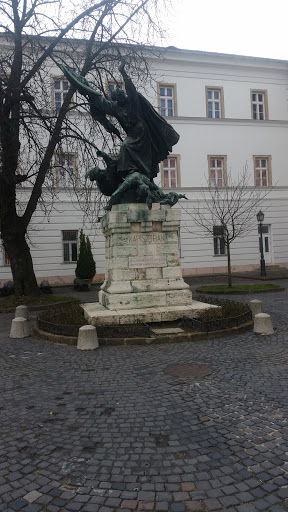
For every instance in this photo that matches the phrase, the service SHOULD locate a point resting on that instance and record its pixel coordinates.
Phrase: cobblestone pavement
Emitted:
(109, 430)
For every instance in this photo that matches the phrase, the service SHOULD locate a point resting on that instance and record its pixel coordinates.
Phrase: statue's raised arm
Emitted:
(129, 86)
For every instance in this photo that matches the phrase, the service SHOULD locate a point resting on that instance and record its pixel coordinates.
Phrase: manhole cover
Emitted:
(188, 370)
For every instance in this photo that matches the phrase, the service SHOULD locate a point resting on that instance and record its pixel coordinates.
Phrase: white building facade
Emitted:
(231, 112)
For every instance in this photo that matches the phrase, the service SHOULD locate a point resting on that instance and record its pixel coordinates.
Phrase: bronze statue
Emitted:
(149, 139)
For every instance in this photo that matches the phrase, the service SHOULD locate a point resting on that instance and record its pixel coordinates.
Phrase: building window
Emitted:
(219, 241)
(6, 260)
(214, 103)
(259, 105)
(167, 100)
(66, 169)
(113, 85)
(170, 174)
(262, 171)
(61, 87)
(217, 171)
(70, 245)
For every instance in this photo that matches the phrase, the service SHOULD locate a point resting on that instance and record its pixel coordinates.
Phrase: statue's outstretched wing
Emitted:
(163, 135)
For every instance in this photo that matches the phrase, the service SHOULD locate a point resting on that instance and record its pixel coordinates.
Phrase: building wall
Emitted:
(236, 135)
(197, 251)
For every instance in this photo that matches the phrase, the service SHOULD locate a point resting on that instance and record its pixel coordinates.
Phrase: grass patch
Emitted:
(242, 288)
(12, 301)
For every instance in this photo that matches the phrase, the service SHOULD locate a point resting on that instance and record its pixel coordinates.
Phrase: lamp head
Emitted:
(260, 216)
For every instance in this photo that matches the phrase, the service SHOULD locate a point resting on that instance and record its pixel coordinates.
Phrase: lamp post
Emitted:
(260, 218)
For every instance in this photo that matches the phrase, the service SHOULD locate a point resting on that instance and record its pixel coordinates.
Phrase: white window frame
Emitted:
(62, 91)
(218, 241)
(167, 169)
(214, 102)
(167, 100)
(69, 243)
(259, 106)
(217, 171)
(111, 86)
(264, 179)
(66, 172)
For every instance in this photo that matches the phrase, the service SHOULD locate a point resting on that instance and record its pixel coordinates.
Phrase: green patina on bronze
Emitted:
(149, 140)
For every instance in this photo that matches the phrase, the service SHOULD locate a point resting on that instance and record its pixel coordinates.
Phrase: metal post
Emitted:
(262, 260)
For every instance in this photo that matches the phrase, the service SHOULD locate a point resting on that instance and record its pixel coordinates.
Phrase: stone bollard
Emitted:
(87, 338)
(22, 312)
(256, 307)
(263, 324)
(19, 328)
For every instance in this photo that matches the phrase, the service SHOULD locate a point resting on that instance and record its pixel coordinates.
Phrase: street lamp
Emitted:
(260, 218)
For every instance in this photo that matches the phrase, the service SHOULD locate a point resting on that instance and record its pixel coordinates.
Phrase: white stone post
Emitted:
(87, 338)
(256, 307)
(22, 312)
(19, 328)
(263, 324)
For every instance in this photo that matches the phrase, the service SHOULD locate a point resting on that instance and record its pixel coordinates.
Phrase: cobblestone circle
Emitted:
(109, 430)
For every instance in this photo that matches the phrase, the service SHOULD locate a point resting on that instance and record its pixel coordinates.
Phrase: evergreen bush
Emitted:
(86, 267)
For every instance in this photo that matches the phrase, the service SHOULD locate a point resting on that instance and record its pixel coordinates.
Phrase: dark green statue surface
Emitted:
(149, 140)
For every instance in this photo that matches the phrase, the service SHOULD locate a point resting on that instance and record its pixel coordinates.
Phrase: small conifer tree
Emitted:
(86, 267)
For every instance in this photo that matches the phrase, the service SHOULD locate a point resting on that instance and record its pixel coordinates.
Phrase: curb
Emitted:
(248, 292)
(176, 338)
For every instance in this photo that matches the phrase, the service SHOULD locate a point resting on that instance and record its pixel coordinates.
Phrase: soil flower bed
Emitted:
(232, 314)
(66, 320)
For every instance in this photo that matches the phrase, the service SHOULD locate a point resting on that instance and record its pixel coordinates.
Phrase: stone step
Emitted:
(271, 267)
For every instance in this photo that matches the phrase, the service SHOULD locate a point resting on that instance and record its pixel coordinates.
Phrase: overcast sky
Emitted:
(257, 28)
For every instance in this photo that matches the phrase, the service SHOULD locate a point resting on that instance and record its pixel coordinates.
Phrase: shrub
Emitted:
(86, 267)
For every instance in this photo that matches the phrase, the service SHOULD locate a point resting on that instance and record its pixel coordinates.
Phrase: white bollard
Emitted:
(87, 338)
(19, 328)
(22, 312)
(256, 307)
(263, 324)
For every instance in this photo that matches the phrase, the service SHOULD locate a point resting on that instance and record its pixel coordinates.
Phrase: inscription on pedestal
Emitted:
(142, 238)
(147, 262)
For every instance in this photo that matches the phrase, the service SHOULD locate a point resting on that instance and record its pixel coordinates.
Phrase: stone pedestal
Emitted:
(142, 258)
(143, 278)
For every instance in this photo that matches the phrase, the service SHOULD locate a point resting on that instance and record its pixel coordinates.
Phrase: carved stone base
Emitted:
(142, 258)
(96, 314)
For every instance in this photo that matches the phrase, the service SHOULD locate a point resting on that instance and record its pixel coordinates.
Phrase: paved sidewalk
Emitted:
(109, 430)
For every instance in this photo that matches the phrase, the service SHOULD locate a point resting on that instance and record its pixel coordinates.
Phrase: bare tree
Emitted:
(228, 212)
(37, 35)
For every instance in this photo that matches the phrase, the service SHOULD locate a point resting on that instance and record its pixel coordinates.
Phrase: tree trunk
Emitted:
(21, 264)
(229, 265)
